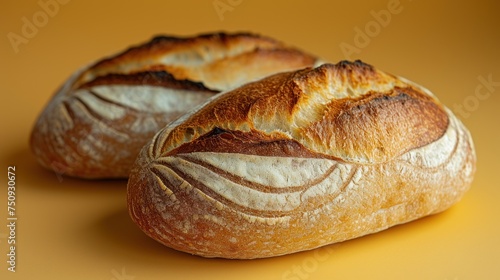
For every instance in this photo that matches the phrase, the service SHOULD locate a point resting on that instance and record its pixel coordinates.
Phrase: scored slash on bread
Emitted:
(96, 124)
(299, 160)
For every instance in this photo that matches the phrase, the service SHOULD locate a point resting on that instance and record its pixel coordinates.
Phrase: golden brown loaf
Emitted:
(300, 160)
(96, 124)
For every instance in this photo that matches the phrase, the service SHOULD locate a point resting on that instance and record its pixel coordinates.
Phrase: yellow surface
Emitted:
(77, 229)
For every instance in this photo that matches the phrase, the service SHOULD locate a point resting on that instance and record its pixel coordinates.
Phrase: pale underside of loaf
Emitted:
(96, 124)
(300, 160)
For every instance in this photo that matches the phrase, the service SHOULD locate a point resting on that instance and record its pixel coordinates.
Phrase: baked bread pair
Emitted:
(290, 162)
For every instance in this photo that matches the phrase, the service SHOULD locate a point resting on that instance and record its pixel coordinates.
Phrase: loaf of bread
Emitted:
(96, 124)
(299, 160)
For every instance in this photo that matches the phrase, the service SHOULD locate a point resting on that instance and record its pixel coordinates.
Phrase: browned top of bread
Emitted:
(347, 111)
(213, 60)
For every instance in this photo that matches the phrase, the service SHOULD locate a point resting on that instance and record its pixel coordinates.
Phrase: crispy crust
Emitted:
(300, 160)
(195, 57)
(249, 143)
(157, 78)
(96, 124)
(361, 128)
(162, 44)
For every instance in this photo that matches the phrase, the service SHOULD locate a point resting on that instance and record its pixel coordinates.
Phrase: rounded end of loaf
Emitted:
(72, 139)
(277, 166)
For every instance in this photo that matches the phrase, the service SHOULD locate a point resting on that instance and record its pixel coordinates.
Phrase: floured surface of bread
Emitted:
(96, 124)
(300, 160)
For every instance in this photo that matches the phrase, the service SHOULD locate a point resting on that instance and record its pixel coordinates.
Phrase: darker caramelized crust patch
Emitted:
(356, 74)
(219, 36)
(380, 126)
(200, 58)
(252, 143)
(372, 117)
(235, 108)
(162, 44)
(151, 78)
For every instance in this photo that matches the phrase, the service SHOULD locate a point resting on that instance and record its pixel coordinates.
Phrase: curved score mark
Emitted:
(341, 189)
(437, 168)
(96, 117)
(215, 197)
(256, 186)
(160, 178)
(65, 111)
(109, 101)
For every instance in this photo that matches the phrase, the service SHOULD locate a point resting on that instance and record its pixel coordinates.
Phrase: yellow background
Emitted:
(77, 229)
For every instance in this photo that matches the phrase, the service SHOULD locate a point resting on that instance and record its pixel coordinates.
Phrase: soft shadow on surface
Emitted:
(117, 230)
(125, 241)
(35, 177)
(120, 240)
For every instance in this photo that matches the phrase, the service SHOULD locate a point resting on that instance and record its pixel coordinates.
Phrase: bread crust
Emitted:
(98, 121)
(299, 160)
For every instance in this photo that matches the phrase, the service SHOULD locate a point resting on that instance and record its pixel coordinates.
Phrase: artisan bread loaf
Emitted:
(96, 124)
(299, 160)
